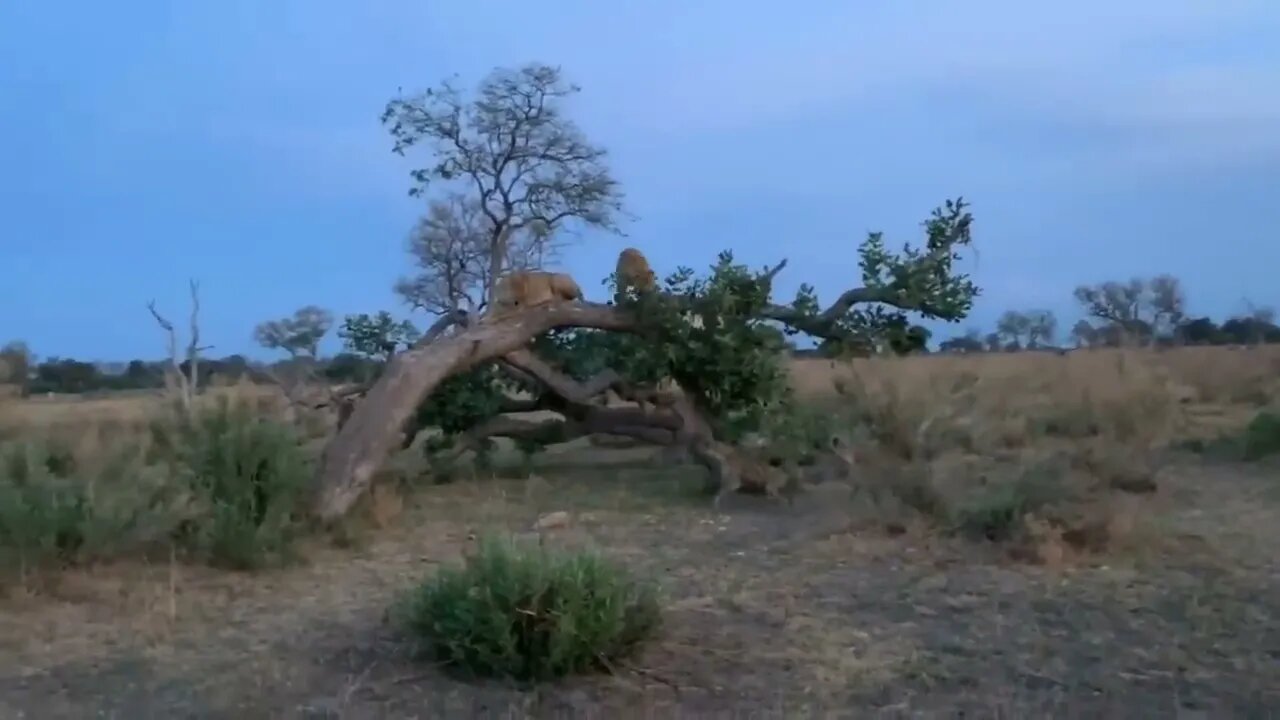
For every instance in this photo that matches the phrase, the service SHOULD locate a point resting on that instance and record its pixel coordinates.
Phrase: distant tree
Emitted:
(233, 367)
(1250, 331)
(378, 336)
(16, 361)
(1083, 334)
(66, 376)
(1260, 321)
(298, 335)
(1200, 331)
(1139, 309)
(970, 342)
(350, 367)
(1013, 328)
(1029, 329)
(1168, 304)
(913, 340)
(1042, 328)
(993, 342)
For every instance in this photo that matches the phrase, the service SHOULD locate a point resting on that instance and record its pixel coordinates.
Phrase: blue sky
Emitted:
(238, 142)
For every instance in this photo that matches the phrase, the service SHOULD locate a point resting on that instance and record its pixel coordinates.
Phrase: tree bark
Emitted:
(371, 432)
(374, 427)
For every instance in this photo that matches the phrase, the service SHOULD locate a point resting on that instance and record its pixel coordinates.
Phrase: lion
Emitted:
(739, 470)
(633, 271)
(532, 288)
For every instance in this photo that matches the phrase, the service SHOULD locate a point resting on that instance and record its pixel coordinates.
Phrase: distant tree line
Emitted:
(1145, 312)
(1140, 312)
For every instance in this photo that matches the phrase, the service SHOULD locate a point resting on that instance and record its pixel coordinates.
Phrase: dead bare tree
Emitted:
(186, 386)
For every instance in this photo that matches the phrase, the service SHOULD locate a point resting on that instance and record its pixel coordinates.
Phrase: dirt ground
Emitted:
(773, 610)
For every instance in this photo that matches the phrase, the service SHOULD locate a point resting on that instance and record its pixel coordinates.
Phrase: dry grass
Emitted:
(115, 416)
(1135, 582)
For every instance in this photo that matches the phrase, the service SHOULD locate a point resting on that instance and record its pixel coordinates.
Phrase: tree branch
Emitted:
(353, 456)
(558, 382)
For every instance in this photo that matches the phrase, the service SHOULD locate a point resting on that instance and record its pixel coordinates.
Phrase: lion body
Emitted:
(633, 271)
(531, 288)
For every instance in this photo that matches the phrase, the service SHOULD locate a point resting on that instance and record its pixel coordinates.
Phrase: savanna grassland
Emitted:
(1022, 535)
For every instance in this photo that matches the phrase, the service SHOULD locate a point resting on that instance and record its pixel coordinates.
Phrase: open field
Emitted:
(1127, 577)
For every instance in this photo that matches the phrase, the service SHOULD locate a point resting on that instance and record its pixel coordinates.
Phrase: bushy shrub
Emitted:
(528, 613)
(54, 511)
(1258, 440)
(998, 511)
(246, 474)
(1262, 436)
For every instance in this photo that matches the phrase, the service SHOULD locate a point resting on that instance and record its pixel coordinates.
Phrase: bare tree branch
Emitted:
(528, 172)
(350, 461)
(187, 385)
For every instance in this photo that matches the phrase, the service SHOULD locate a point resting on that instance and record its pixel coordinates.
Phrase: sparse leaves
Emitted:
(297, 335)
(913, 280)
(527, 170)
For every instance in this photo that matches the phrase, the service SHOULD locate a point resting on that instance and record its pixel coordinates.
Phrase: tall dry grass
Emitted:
(1031, 446)
(116, 417)
(82, 482)
(998, 445)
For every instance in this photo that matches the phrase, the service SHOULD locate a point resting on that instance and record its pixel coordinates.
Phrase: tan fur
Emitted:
(739, 470)
(531, 288)
(633, 271)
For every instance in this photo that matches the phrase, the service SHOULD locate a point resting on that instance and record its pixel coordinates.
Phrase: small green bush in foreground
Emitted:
(529, 613)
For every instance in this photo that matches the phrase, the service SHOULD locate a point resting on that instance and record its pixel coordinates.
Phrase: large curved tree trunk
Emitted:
(373, 430)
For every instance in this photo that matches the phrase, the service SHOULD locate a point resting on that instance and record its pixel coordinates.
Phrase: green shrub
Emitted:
(997, 512)
(528, 613)
(53, 513)
(1262, 436)
(245, 473)
(1259, 439)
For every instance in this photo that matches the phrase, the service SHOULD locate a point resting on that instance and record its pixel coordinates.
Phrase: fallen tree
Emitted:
(726, 364)
(701, 356)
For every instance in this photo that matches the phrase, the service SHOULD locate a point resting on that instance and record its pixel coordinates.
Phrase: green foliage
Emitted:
(462, 400)
(709, 335)
(246, 475)
(350, 367)
(1258, 440)
(529, 613)
(724, 342)
(65, 376)
(1262, 436)
(55, 512)
(920, 280)
(377, 336)
(223, 487)
(800, 431)
(998, 511)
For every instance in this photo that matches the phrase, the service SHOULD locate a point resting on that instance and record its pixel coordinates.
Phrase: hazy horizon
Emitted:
(239, 144)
